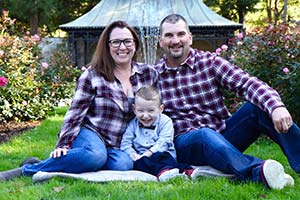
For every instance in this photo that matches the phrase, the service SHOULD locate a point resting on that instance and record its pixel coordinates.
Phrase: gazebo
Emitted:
(208, 28)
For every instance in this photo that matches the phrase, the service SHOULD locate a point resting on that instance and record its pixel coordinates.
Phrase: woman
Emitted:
(101, 109)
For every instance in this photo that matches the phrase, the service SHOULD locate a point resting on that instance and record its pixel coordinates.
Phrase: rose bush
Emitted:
(27, 95)
(273, 55)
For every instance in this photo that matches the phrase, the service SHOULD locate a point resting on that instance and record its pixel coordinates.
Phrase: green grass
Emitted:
(41, 140)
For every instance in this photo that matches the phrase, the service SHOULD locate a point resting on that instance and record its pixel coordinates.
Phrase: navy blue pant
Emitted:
(158, 162)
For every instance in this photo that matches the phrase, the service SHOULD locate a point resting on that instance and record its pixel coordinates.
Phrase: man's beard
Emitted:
(176, 55)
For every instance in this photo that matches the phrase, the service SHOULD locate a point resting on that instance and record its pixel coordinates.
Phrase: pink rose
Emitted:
(218, 51)
(270, 28)
(239, 43)
(35, 38)
(1, 53)
(224, 47)
(286, 70)
(4, 12)
(271, 43)
(240, 36)
(3, 81)
(45, 65)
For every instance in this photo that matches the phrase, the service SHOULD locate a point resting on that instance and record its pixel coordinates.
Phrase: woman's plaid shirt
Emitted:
(102, 106)
(192, 92)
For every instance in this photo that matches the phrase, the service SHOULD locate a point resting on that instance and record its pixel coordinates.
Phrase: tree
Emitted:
(233, 9)
(49, 13)
(274, 12)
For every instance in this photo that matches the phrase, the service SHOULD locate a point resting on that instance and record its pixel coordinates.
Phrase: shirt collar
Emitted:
(136, 69)
(190, 61)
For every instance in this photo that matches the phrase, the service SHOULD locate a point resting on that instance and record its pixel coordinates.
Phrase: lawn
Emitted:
(41, 140)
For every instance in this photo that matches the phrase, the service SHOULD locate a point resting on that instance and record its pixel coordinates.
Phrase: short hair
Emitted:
(173, 19)
(102, 61)
(149, 93)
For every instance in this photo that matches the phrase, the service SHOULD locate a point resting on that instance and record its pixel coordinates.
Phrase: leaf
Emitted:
(58, 189)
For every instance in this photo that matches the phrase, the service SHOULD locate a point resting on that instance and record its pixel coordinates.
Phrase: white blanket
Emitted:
(109, 175)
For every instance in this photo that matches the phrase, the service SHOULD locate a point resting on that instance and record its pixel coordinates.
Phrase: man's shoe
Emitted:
(31, 160)
(10, 174)
(273, 175)
(168, 174)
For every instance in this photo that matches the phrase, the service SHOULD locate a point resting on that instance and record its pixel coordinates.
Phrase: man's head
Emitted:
(175, 39)
(147, 105)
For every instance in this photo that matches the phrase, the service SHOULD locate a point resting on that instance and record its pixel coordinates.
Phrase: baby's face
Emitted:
(147, 111)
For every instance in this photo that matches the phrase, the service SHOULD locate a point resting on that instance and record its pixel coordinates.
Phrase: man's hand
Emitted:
(282, 119)
(58, 152)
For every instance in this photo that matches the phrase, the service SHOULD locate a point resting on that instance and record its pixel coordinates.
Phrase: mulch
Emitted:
(10, 129)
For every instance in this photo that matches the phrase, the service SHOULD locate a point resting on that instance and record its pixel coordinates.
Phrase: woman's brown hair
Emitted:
(102, 61)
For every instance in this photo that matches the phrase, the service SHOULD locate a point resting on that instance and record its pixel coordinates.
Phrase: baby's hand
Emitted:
(147, 153)
(135, 156)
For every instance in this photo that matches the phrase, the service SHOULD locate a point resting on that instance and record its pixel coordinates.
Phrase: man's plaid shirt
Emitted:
(192, 92)
(102, 106)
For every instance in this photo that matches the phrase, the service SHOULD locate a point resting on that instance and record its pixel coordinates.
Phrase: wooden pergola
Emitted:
(145, 15)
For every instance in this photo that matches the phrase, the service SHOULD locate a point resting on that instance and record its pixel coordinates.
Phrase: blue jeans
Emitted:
(246, 125)
(88, 153)
(224, 151)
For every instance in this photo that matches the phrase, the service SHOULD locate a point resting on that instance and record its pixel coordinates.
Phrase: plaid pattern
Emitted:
(102, 106)
(192, 92)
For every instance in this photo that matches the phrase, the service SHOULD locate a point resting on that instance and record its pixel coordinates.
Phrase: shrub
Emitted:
(273, 55)
(30, 91)
(59, 76)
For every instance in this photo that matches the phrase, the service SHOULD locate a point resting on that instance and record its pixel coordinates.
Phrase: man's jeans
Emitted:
(223, 151)
(88, 153)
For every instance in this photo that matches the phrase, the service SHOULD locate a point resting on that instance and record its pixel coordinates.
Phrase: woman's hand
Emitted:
(58, 152)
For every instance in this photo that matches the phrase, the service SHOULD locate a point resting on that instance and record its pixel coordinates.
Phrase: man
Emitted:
(191, 82)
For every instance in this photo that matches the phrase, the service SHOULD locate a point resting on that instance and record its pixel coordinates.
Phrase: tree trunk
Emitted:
(34, 24)
(241, 15)
(284, 11)
(269, 10)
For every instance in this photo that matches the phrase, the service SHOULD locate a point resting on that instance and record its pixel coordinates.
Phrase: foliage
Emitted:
(58, 76)
(27, 95)
(49, 13)
(233, 9)
(36, 143)
(277, 10)
(273, 55)
(269, 11)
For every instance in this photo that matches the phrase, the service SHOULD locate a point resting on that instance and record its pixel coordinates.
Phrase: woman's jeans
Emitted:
(223, 151)
(88, 153)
